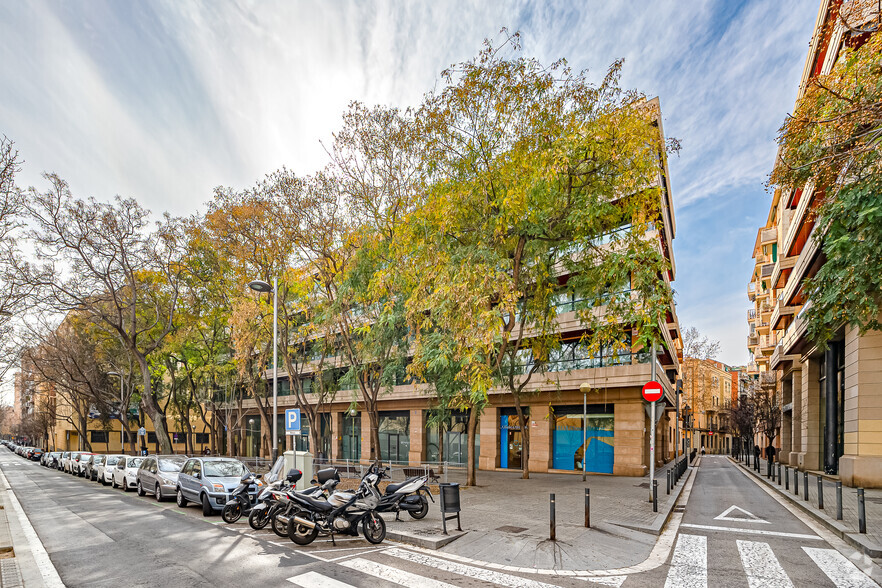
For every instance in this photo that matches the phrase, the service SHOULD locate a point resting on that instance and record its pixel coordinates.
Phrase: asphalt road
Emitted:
(98, 536)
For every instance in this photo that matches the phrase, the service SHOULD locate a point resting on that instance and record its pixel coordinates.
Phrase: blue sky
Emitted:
(164, 101)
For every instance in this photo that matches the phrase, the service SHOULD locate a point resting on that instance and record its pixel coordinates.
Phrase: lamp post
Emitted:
(261, 286)
(122, 440)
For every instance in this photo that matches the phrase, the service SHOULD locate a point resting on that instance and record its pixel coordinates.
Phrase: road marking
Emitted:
(839, 569)
(689, 563)
(44, 564)
(317, 580)
(747, 518)
(751, 531)
(616, 581)
(393, 575)
(761, 566)
(467, 571)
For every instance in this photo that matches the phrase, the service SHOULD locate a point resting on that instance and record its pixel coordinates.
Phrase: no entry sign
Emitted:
(652, 391)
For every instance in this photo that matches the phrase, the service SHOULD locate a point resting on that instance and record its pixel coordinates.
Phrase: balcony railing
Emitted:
(751, 314)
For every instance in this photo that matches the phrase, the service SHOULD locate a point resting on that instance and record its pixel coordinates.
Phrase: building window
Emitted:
(453, 448)
(569, 448)
(351, 442)
(394, 433)
(99, 436)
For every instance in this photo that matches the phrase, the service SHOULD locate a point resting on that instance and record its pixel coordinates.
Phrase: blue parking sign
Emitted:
(292, 420)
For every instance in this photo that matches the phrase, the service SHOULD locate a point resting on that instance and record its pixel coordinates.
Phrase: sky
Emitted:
(164, 101)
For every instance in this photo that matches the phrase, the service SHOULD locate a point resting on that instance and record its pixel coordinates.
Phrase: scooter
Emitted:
(240, 500)
(409, 495)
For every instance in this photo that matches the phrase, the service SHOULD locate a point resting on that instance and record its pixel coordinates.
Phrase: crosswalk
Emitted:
(688, 569)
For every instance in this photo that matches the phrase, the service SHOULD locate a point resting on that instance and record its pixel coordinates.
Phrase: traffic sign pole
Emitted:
(652, 428)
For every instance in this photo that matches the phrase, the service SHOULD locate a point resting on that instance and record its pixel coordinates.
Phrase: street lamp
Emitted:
(264, 287)
(122, 441)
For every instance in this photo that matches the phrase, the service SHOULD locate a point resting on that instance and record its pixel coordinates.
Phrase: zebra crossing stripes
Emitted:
(839, 569)
(317, 580)
(391, 574)
(689, 563)
(761, 566)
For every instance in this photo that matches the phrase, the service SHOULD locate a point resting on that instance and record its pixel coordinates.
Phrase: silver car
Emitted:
(105, 469)
(158, 475)
(209, 480)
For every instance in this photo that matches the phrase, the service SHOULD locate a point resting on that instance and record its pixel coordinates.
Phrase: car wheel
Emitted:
(158, 493)
(207, 511)
(140, 490)
(182, 502)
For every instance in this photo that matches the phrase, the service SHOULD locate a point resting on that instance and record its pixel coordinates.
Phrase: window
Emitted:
(98, 436)
(201, 438)
(197, 469)
(151, 437)
(188, 468)
(394, 433)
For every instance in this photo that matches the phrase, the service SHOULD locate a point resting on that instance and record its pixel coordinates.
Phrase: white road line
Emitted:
(689, 563)
(467, 571)
(839, 569)
(47, 569)
(751, 531)
(393, 575)
(761, 566)
(317, 580)
(616, 581)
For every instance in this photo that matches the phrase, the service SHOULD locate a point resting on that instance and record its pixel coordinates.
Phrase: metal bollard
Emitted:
(805, 486)
(779, 473)
(796, 481)
(820, 493)
(655, 496)
(838, 501)
(553, 528)
(587, 508)
(668, 487)
(786, 478)
(862, 512)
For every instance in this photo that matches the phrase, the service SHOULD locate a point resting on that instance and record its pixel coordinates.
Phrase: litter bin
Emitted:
(450, 505)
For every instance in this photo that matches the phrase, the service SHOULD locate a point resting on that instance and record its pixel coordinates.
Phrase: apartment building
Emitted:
(832, 399)
(617, 416)
(707, 397)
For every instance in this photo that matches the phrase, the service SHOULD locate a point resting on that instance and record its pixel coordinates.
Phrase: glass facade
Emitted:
(351, 442)
(510, 440)
(454, 446)
(569, 448)
(394, 432)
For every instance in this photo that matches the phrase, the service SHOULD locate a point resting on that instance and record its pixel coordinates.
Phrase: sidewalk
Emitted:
(506, 520)
(870, 542)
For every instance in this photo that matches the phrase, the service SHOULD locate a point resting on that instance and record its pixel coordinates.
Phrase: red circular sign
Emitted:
(652, 391)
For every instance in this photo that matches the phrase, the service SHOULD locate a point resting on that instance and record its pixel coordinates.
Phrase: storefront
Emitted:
(510, 438)
(350, 443)
(452, 444)
(569, 447)
(394, 432)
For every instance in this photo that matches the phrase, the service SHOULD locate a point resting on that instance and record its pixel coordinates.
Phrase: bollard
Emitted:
(786, 478)
(838, 501)
(668, 487)
(553, 529)
(587, 508)
(779, 473)
(796, 481)
(805, 486)
(655, 496)
(820, 493)
(862, 513)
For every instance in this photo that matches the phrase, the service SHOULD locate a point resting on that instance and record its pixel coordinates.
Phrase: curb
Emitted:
(425, 541)
(663, 517)
(856, 540)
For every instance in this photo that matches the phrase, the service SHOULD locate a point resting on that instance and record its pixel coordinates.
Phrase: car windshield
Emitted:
(224, 469)
(171, 465)
(135, 462)
(98, 460)
(112, 460)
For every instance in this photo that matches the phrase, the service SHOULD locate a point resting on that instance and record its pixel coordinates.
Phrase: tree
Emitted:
(833, 141)
(109, 262)
(534, 174)
(698, 350)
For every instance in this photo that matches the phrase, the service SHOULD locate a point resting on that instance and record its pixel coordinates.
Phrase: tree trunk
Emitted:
(229, 439)
(471, 477)
(525, 441)
(212, 434)
(156, 414)
(374, 417)
(315, 435)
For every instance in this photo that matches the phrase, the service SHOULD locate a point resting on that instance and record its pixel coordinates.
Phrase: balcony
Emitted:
(751, 291)
(752, 340)
(768, 379)
(766, 270)
(751, 314)
(769, 235)
(768, 342)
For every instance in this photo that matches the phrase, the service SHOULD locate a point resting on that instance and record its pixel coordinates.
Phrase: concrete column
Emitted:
(488, 429)
(540, 437)
(831, 414)
(810, 454)
(795, 378)
(417, 453)
(366, 456)
(631, 438)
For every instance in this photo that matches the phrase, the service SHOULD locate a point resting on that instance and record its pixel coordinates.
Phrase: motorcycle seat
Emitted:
(392, 488)
(319, 505)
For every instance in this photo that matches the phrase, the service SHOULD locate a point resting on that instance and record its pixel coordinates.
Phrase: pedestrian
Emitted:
(702, 449)
(770, 457)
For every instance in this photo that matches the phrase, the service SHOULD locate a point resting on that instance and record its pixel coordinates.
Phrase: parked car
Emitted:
(105, 469)
(208, 480)
(68, 465)
(91, 468)
(52, 459)
(62, 461)
(158, 475)
(79, 467)
(35, 454)
(125, 474)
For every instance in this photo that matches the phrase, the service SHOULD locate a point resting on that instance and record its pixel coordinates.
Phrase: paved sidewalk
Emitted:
(507, 520)
(847, 528)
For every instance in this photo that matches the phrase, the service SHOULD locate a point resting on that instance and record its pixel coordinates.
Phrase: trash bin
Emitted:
(450, 505)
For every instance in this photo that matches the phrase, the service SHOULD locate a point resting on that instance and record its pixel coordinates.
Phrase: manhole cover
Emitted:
(510, 529)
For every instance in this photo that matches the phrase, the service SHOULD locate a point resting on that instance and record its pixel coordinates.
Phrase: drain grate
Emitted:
(510, 529)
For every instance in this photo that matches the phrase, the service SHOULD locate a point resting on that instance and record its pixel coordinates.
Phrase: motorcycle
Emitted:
(409, 495)
(341, 513)
(240, 499)
(282, 504)
(269, 499)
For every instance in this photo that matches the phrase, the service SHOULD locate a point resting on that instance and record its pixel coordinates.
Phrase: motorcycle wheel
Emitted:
(302, 535)
(232, 512)
(279, 528)
(373, 527)
(258, 519)
(423, 511)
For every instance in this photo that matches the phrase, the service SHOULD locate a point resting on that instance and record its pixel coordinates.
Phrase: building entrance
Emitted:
(511, 440)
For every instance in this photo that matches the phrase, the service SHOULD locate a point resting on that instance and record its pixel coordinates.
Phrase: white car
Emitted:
(125, 474)
(79, 467)
(105, 470)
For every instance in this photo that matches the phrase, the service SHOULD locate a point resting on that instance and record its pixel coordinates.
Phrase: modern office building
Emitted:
(831, 399)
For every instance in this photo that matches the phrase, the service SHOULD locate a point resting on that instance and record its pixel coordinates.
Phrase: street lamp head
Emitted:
(260, 286)
(584, 388)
